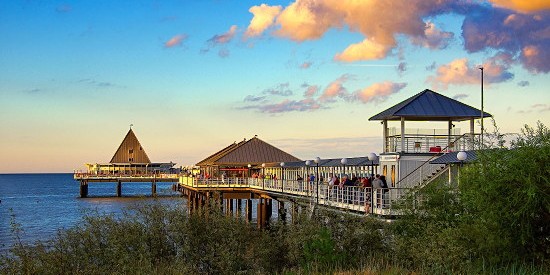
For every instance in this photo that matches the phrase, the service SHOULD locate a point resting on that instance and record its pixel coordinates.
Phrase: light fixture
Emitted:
(344, 161)
(317, 160)
(282, 164)
(461, 156)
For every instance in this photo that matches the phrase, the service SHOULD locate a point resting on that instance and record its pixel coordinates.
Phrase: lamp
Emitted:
(462, 156)
(372, 157)
(249, 166)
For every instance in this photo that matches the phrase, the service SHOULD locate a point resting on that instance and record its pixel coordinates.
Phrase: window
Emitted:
(130, 159)
(131, 151)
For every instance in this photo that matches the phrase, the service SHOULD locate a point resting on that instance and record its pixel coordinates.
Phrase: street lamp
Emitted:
(372, 157)
(317, 160)
(263, 175)
(344, 161)
(462, 156)
(482, 114)
(308, 163)
(249, 166)
(282, 176)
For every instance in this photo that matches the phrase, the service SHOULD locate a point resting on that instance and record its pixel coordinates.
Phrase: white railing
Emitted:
(84, 176)
(354, 198)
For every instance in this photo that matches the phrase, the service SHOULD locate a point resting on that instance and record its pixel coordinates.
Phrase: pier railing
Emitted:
(92, 176)
(359, 199)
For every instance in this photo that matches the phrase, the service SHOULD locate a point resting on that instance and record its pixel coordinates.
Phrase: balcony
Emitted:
(428, 141)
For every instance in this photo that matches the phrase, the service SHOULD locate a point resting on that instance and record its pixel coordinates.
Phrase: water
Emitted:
(44, 203)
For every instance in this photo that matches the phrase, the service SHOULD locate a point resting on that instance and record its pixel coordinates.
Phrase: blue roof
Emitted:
(451, 158)
(429, 105)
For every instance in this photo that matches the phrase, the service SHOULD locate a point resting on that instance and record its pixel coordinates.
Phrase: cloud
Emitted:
(523, 5)
(224, 37)
(311, 90)
(460, 72)
(460, 96)
(65, 8)
(433, 38)
(401, 68)
(335, 89)
(281, 90)
(175, 41)
(431, 67)
(541, 107)
(378, 92)
(33, 91)
(287, 105)
(100, 84)
(485, 27)
(333, 147)
(526, 35)
(523, 83)
(253, 98)
(223, 53)
(305, 65)
(264, 17)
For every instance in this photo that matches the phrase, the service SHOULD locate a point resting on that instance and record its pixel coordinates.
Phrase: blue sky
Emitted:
(194, 76)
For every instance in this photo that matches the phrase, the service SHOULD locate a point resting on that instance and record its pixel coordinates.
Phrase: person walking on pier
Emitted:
(377, 187)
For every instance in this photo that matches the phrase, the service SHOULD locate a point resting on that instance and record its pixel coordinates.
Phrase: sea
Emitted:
(42, 204)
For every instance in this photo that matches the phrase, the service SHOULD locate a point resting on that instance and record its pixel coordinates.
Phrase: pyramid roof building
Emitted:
(130, 151)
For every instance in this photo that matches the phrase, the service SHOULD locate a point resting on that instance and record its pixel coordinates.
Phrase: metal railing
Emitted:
(360, 199)
(85, 175)
(429, 143)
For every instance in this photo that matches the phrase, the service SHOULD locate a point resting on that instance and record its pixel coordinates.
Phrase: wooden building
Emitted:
(129, 159)
(243, 158)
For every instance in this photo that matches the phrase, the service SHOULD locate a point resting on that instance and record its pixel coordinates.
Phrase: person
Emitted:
(384, 191)
(223, 177)
(377, 188)
(311, 182)
(300, 181)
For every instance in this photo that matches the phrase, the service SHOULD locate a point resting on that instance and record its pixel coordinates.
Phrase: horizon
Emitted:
(305, 76)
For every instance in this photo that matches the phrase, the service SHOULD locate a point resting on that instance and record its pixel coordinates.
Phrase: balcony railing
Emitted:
(429, 143)
(361, 199)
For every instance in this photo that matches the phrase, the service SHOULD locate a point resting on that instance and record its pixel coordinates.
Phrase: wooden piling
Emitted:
(119, 189)
(83, 189)
(154, 189)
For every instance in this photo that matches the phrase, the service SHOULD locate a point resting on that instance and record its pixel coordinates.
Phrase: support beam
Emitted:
(281, 211)
(248, 210)
(83, 189)
(449, 133)
(385, 136)
(402, 134)
(260, 213)
(239, 208)
(154, 189)
(472, 134)
(119, 189)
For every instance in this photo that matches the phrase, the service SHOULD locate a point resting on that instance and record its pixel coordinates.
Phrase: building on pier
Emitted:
(407, 153)
(244, 158)
(130, 159)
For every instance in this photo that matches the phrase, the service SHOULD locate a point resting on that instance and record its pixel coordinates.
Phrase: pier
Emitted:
(87, 178)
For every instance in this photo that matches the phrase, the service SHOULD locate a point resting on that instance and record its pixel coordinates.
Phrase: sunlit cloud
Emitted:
(460, 72)
(264, 17)
(378, 92)
(175, 41)
(311, 90)
(287, 105)
(335, 89)
(523, 5)
(224, 37)
(499, 27)
(253, 98)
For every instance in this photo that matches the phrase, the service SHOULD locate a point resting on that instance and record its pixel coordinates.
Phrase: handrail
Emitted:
(430, 159)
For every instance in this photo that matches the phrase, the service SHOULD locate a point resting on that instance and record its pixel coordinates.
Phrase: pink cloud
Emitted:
(523, 5)
(433, 37)
(287, 105)
(225, 37)
(460, 72)
(311, 91)
(379, 92)
(175, 41)
(306, 65)
(335, 89)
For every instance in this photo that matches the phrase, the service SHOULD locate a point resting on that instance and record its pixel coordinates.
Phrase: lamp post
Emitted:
(372, 157)
(249, 174)
(263, 175)
(308, 163)
(462, 156)
(482, 114)
(344, 161)
(317, 160)
(282, 176)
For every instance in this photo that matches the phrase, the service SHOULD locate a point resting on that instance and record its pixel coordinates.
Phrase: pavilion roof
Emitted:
(254, 151)
(430, 106)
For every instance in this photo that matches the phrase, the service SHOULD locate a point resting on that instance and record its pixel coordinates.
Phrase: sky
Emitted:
(193, 76)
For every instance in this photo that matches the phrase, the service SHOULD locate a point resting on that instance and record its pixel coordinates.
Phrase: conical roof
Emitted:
(130, 151)
(429, 105)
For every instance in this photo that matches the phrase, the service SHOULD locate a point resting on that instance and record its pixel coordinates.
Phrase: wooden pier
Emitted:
(86, 178)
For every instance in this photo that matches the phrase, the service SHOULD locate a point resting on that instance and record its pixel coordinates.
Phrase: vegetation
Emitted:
(496, 221)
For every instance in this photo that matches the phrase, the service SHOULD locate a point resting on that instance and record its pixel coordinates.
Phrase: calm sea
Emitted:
(43, 203)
